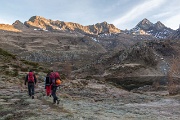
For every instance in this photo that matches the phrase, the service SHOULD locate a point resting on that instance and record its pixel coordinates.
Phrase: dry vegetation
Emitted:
(174, 72)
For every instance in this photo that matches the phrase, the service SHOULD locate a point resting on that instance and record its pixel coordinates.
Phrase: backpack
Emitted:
(31, 77)
(53, 77)
(57, 76)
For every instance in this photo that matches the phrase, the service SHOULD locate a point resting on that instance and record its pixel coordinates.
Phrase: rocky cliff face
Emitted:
(157, 30)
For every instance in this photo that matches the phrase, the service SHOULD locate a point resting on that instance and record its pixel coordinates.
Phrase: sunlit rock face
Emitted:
(42, 23)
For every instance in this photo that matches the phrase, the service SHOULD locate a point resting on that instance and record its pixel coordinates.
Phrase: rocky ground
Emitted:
(85, 99)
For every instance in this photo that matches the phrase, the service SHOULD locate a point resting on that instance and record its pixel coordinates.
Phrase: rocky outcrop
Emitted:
(103, 27)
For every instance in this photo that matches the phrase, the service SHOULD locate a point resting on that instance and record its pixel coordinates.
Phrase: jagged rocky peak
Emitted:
(159, 25)
(19, 25)
(38, 22)
(103, 27)
(34, 18)
(102, 24)
(17, 22)
(145, 24)
(158, 30)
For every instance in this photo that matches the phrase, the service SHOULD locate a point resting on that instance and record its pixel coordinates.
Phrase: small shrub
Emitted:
(15, 73)
(24, 69)
(7, 72)
(15, 66)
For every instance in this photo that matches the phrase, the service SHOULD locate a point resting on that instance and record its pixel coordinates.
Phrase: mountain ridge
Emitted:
(158, 30)
(39, 23)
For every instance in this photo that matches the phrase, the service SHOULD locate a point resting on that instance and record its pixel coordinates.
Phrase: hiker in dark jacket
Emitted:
(48, 85)
(31, 80)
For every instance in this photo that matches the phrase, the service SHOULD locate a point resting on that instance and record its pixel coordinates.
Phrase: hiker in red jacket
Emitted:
(55, 82)
(31, 79)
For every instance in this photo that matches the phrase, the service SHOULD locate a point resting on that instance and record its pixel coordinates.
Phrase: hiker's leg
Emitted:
(54, 93)
(32, 87)
(56, 98)
(29, 89)
(48, 90)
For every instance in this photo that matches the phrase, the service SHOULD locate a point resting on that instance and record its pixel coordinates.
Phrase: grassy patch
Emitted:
(34, 64)
(7, 54)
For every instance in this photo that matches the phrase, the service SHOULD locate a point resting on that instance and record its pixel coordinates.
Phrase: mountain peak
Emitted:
(17, 22)
(19, 25)
(159, 25)
(145, 24)
(145, 19)
(33, 18)
(157, 30)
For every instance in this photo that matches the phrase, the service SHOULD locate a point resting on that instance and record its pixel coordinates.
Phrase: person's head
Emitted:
(48, 73)
(30, 70)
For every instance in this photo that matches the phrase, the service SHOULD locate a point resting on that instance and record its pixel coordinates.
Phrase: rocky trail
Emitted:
(85, 100)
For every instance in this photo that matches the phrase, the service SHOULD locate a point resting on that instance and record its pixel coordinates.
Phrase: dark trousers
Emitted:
(31, 89)
(54, 88)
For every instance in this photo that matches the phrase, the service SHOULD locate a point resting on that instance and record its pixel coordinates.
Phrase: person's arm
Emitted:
(35, 80)
(45, 82)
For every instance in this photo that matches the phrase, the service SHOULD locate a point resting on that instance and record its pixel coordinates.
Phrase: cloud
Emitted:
(160, 15)
(173, 21)
(138, 11)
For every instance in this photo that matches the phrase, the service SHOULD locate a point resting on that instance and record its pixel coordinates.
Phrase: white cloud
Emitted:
(173, 21)
(160, 15)
(138, 11)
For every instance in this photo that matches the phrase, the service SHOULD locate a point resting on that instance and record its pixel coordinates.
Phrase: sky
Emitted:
(124, 14)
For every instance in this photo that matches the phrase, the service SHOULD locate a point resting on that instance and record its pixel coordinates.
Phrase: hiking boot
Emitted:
(54, 101)
(58, 101)
(32, 97)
